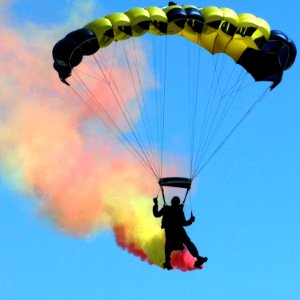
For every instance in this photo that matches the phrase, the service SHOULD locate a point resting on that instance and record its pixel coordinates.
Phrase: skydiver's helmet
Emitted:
(175, 201)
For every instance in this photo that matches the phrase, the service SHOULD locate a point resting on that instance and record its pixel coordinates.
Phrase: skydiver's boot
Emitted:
(200, 261)
(167, 265)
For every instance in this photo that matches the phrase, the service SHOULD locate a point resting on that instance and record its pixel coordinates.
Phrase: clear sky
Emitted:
(246, 202)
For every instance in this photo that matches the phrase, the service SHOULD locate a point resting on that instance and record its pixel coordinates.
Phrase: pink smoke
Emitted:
(85, 181)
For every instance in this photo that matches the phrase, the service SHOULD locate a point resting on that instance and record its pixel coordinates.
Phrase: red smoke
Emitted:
(84, 179)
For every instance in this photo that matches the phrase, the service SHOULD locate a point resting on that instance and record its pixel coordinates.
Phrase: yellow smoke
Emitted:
(85, 181)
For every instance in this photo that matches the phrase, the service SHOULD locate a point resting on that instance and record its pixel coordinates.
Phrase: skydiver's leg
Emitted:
(189, 244)
(193, 250)
(167, 263)
(168, 250)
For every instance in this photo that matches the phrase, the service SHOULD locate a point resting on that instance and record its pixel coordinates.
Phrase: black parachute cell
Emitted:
(178, 16)
(64, 53)
(63, 72)
(68, 52)
(195, 20)
(268, 64)
(263, 66)
(86, 40)
(287, 45)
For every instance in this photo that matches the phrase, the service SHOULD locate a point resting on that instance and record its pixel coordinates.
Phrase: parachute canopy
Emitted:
(263, 52)
(245, 40)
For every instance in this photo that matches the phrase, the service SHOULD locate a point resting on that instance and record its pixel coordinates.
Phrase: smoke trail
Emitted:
(84, 180)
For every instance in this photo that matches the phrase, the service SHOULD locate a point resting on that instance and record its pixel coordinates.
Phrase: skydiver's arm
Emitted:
(157, 213)
(190, 221)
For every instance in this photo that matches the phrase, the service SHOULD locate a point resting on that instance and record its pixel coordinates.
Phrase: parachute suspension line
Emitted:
(219, 115)
(107, 120)
(239, 83)
(222, 118)
(207, 107)
(91, 75)
(137, 84)
(156, 121)
(157, 60)
(152, 140)
(111, 125)
(193, 62)
(213, 131)
(107, 75)
(191, 113)
(193, 81)
(95, 106)
(221, 101)
(164, 56)
(163, 194)
(252, 107)
(189, 200)
(185, 196)
(217, 100)
(191, 203)
(127, 116)
(160, 190)
(124, 110)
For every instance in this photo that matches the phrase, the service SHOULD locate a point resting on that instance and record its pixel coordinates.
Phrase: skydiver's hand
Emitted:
(192, 218)
(155, 201)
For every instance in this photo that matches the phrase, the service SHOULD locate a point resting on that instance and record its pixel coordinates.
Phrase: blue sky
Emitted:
(246, 205)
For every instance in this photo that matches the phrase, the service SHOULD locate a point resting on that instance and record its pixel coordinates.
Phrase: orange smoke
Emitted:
(85, 180)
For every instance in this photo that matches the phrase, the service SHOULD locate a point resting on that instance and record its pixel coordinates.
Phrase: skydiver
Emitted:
(173, 220)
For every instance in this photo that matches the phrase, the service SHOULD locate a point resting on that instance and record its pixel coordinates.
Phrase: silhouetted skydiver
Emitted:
(173, 220)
